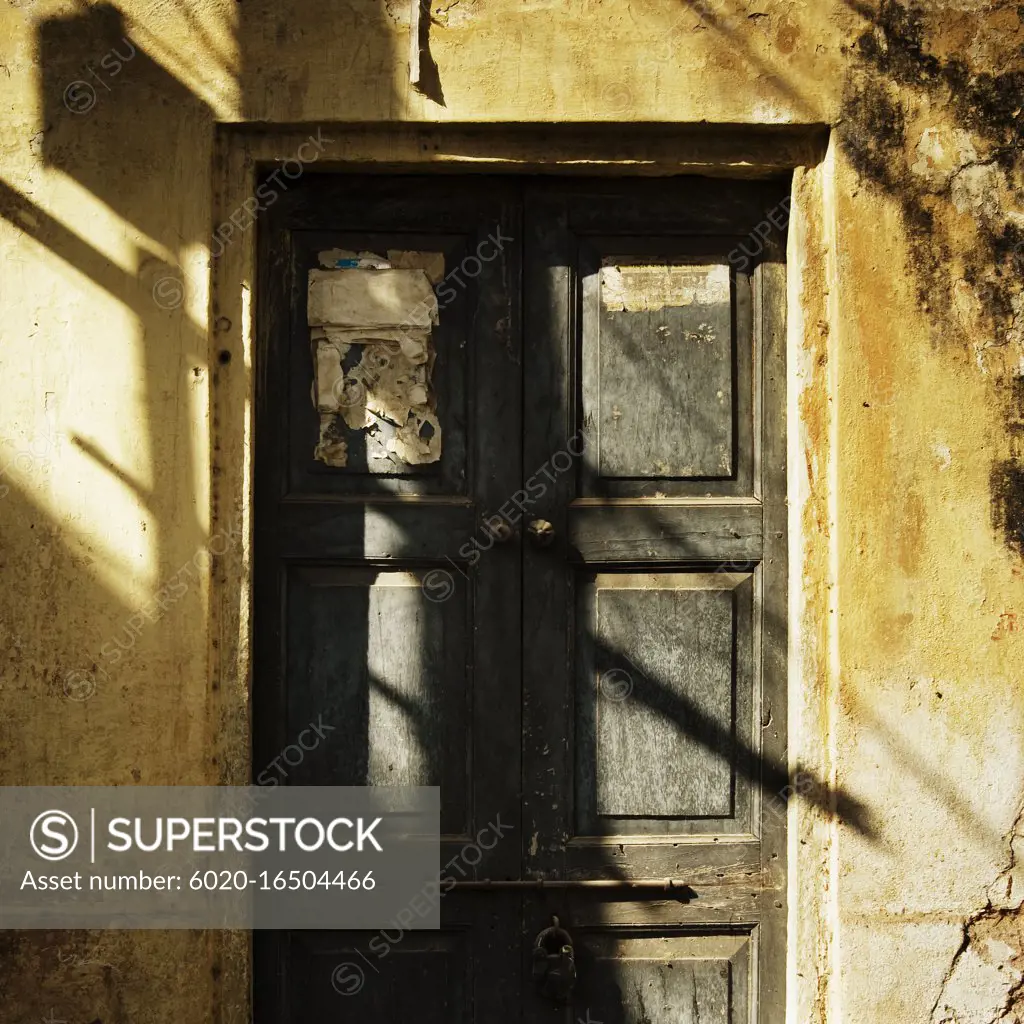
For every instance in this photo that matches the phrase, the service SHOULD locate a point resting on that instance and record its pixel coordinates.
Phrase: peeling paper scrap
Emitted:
(371, 298)
(430, 262)
(412, 340)
(346, 259)
(638, 288)
(370, 330)
(419, 441)
(332, 447)
(329, 377)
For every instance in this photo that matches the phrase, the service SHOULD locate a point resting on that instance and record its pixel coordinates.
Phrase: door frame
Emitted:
(243, 152)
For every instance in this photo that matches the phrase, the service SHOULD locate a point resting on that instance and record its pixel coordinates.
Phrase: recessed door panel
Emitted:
(665, 666)
(341, 978)
(386, 669)
(658, 341)
(666, 367)
(666, 978)
(381, 363)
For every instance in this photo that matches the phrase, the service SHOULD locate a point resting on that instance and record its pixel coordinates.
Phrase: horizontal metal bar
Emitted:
(588, 883)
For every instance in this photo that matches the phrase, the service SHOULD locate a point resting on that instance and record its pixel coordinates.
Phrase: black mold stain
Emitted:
(1006, 481)
(892, 66)
(985, 103)
(892, 61)
(1007, 487)
(874, 135)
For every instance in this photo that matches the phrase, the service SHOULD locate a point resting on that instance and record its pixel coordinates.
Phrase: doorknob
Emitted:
(554, 964)
(541, 532)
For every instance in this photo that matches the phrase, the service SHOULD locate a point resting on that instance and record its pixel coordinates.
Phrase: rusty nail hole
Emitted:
(223, 357)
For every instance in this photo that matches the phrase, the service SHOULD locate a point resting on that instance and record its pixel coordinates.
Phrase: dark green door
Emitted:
(520, 518)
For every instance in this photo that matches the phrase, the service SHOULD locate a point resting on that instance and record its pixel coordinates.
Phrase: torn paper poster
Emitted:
(412, 340)
(373, 357)
(373, 386)
(638, 288)
(371, 298)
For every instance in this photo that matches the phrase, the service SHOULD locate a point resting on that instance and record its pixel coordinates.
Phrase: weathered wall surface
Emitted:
(907, 356)
(929, 504)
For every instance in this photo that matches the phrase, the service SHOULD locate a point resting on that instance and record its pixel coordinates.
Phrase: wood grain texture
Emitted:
(685, 639)
(372, 656)
(664, 391)
(653, 532)
(366, 612)
(663, 703)
(666, 979)
(657, 529)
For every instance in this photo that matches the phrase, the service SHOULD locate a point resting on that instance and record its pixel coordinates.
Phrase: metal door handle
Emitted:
(541, 532)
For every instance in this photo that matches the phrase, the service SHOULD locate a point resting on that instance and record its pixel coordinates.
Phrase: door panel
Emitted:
(425, 969)
(374, 366)
(466, 971)
(650, 392)
(665, 977)
(610, 683)
(664, 666)
(665, 382)
(398, 690)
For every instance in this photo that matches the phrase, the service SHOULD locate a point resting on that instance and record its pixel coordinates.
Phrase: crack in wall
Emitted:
(985, 980)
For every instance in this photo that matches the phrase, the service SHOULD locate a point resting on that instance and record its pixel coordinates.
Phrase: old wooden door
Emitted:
(529, 545)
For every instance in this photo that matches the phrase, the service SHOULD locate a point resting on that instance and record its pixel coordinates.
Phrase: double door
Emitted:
(520, 534)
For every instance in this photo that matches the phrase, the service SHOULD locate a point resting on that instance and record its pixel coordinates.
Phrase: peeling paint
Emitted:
(906, 328)
(940, 152)
(943, 455)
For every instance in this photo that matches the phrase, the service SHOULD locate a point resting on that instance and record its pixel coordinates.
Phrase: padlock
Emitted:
(554, 963)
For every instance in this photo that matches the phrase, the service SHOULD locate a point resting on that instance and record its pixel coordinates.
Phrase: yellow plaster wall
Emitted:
(906, 411)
